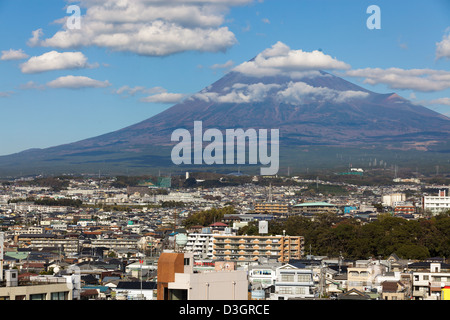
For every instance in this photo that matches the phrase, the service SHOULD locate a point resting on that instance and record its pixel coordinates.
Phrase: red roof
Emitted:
(218, 224)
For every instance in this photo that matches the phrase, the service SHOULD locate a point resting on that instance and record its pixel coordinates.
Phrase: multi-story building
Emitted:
(429, 280)
(120, 243)
(404, 208)
(262, 275)
(364, 276)
(200, 244)
(389, 199)
(314, 208)
(39, 287)
(255, 248)
(436, 204)
(39, 241)
(293, 282)
(178, 281)
(281, 208)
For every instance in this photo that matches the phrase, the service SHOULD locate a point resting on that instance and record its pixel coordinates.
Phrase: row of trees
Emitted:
(207, 217)
(50, 201)
(328, 235)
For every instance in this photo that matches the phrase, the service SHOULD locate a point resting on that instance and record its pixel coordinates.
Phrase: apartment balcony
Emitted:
(439, 284)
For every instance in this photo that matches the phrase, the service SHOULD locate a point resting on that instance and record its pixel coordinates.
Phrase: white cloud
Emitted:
(31, 85)
(301, 92)
(155, 94)
(139, 89)
(165, 97)
(292, 93)
(77, 82)
(35, 39)
(425, 80)
(148, 27)
(12, 54)
(5, 94)
(225, 65)
(54, 60)
(239, 93)
(281, 60)
(443, 47)
(439, 101)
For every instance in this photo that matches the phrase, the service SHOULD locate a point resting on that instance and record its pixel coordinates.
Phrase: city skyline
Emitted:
(128, 61)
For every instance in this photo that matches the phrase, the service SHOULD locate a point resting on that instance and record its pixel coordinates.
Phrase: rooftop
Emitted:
(315, 204)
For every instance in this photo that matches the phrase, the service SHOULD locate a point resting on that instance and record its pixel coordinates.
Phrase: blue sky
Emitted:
(130, 60)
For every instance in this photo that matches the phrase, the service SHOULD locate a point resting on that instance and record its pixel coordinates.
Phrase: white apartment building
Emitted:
(293, 282)
(363, 276)
(436, 204)
(262, 275)
(389, 199)
(428, 284)
(200, 244)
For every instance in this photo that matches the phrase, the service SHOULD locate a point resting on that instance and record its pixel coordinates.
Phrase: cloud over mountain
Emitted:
(281, 60)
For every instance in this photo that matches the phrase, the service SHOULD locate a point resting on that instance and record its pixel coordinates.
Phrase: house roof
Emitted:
(89, 292)
(218, 224)
(390, 286)
(354, 294)
(102, 289)
(296, 263)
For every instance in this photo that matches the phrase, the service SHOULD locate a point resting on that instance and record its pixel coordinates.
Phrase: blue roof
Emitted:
(102, 289)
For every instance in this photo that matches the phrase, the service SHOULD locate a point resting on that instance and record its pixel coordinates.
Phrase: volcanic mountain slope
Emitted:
(316, 108)
(321, 109)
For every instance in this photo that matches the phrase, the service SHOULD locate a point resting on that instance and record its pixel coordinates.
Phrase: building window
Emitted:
(285, 290)
(287, 278)
(300, 290)
(303, 278)
(40, 296)
(58, 296)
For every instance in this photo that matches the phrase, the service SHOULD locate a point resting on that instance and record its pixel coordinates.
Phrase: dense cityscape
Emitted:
(362, 235)
(216, 158)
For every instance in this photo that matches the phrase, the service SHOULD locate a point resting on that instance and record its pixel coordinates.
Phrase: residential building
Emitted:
(389, 199)
(39, 287)
(293, 281)
(263, 275)
(135, 290)
(404, 208)
(363, 276)
(39, 241)
(436, 204)
(247, 249)
(200, 244)
(275, 207)
(314, 208)
(429, 279)
(177, 281)
(394, 290)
